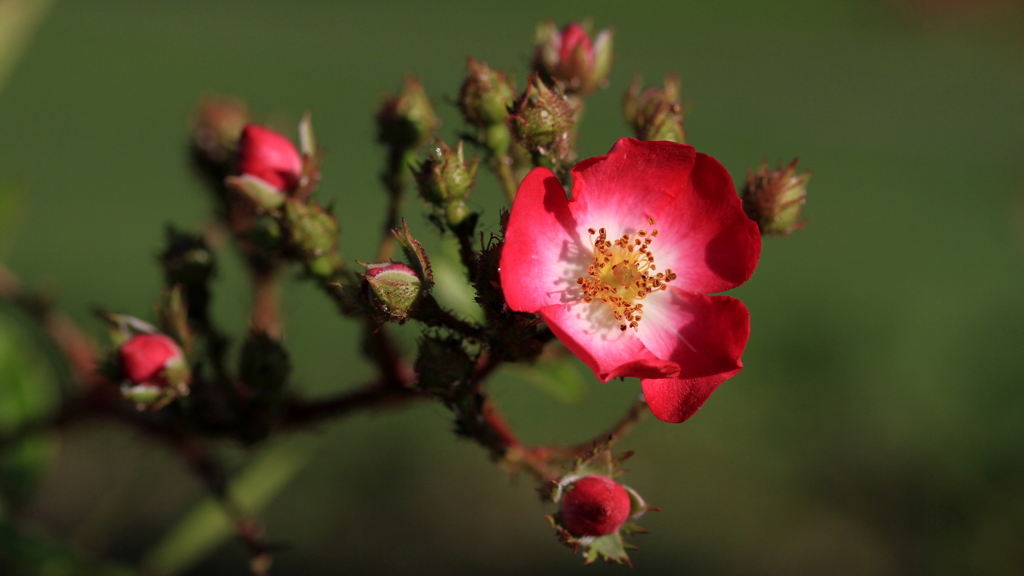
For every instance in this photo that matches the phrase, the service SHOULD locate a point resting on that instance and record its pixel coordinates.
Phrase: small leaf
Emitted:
(174, 317)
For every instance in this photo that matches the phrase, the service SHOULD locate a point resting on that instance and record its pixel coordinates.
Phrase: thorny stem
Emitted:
(266, 310)
(376, 394)
(633, 416)
(393, 387)
(432, 314)
(394, 178)
(507, 449)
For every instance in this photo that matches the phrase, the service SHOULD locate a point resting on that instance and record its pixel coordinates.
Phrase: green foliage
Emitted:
(28, 393)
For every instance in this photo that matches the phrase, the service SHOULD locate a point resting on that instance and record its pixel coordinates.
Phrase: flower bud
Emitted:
(270, 157)
(775, 198)
(485, 96)
(217, 126)
(396, 289)
(407, 121)
(567, 55)
(656, 113)
(155, 370)
(313, 232)
(542, 120)
(594, 506)
(445, 176)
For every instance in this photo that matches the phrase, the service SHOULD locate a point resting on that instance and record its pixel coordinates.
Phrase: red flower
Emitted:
(621, 272)
(269, 156)
(595, 506)
(145, 357)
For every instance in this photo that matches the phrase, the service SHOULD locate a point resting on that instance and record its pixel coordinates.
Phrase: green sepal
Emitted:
(610, 548)
(262, 195)
(312, 157)
(415, 254)
(121, 327)
(174, 317)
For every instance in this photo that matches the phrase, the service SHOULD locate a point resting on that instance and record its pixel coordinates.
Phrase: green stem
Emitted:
(394, 178)
(502, 166)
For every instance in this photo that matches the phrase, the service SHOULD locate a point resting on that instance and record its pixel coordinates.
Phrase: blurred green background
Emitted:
(878, 427)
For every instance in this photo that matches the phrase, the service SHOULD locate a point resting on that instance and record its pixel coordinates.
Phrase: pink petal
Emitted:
(704, 335)
(542, 256)
(703, 234)
(630, 184)
(676, 399)
(590, 331)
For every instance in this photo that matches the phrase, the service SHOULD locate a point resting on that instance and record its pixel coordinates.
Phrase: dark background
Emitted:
(878, 427)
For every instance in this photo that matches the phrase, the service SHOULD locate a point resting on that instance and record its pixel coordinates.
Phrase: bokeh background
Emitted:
(878, 427)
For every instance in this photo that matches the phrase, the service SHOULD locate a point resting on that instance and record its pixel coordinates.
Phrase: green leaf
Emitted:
(207, 525)
(29, 390)
(451, 287)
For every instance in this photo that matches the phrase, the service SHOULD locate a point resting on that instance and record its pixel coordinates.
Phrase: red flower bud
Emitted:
(269, 156)
(574, 35)
(571, 57)
(145, 357)
(397, 289)
(595, 506)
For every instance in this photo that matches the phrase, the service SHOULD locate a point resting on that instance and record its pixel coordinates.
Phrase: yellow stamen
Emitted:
(622, 274)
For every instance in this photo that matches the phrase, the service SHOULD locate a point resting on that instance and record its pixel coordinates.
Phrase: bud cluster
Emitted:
(265, 181)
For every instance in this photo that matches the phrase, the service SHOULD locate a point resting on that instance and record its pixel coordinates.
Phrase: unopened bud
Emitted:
(396, 289)
(313, 232)
(216, 127)
(407, 121)
(656, 113)
(445, 176)
(154, 369)
(568, 56)
(269, 157)
(485, 96)
(542, 120)
(775, 198)
(594, 506)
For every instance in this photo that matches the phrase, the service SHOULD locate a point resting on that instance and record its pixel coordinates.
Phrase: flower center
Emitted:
(623, 274)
